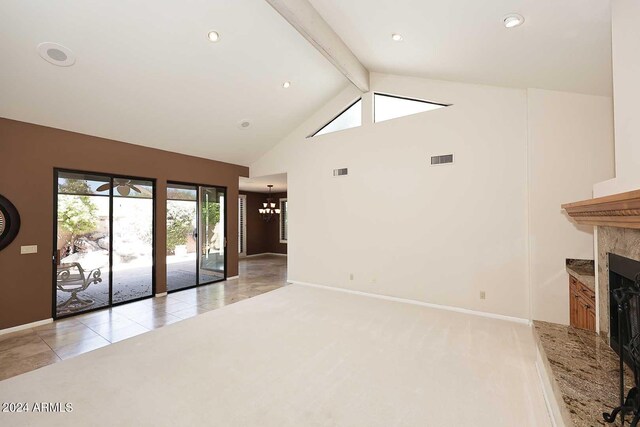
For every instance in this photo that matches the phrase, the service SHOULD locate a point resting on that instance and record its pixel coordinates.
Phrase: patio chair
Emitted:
(72, 278)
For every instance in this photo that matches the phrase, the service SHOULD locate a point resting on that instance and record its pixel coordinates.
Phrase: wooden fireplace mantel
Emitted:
(618, 210)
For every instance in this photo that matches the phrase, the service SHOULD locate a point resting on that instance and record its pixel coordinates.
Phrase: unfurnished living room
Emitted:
(320, 213)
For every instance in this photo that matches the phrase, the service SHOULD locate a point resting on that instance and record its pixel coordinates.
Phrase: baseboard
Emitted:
(232, 277)
(415, 302)
(161, 294)
(264, 253)
(25, 326)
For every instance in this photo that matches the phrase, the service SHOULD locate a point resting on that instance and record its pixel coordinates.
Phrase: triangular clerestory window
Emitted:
(350, 117)
(387, 107)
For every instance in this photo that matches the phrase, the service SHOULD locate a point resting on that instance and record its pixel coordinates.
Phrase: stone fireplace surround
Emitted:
(620, 241)
(617, 220)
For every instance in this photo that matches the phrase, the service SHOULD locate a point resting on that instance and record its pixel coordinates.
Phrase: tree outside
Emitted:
(210, 218)
(180, 225)
(76, 213)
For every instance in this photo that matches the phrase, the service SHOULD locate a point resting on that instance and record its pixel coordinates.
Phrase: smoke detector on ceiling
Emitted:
(56, 54)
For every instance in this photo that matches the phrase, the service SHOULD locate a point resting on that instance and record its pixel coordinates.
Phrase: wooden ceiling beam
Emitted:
(308, 22)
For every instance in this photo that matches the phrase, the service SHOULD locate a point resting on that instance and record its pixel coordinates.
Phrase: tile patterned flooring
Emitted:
(30, 349)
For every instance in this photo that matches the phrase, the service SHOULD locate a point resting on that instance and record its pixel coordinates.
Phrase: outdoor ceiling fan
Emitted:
(123, 186)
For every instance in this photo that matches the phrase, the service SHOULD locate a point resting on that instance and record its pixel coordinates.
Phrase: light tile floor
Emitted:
(30, 349)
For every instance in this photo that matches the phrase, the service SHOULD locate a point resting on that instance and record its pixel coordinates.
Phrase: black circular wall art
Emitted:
(9, 222)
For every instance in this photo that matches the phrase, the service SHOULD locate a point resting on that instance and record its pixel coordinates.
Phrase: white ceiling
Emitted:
(259, 184)
(563, 44)
(147, 74)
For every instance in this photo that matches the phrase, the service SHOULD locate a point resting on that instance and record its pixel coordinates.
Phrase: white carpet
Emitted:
(299, 356)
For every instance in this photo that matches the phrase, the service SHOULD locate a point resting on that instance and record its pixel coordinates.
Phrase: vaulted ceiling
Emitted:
(146, 73)
(563, 44)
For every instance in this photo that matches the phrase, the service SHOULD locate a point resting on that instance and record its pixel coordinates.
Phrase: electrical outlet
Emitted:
(350, 276)
(483, 295)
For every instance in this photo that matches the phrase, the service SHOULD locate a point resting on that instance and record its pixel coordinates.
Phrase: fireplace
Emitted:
(623, 242)
(617, 221)
(622, 273)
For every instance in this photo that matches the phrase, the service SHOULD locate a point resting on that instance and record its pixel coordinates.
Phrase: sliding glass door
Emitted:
(83, 236)
(182, 236)
(132, 230)
(104, 240)
(212, 235)
(196, 235)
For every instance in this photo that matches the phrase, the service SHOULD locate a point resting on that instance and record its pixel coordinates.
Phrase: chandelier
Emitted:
(268, 210)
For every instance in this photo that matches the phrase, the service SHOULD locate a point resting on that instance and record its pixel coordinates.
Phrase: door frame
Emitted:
(111, 176)
(226, 222)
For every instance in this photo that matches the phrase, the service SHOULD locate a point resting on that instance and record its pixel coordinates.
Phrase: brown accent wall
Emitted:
(28, 155)
(262, 236)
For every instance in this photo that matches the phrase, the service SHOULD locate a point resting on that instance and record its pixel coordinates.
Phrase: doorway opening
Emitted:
(263, 219)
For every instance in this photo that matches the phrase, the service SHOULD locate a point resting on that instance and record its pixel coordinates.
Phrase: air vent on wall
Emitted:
(340, 172)
(441, 160)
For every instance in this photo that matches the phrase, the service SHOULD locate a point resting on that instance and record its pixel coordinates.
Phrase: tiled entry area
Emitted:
(31, 349)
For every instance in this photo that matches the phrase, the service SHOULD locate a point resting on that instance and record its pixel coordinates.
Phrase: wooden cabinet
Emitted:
(582, 305)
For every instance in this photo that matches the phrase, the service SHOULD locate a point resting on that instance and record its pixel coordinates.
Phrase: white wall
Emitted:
(625, 34)
(402, 227)
(442, 234)
(570, 149)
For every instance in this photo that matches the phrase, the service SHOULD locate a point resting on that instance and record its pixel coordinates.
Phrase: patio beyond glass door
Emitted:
(83, 235)
(196, 235)
(104, 241)
(182, 236)
(212, 235)
(132, 229)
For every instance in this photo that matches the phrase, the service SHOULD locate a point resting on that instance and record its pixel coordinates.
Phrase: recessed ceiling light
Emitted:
(396, 37)
(56, 54)
(244, 124)
(286, 85)
(213, 36)
(513, 20)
